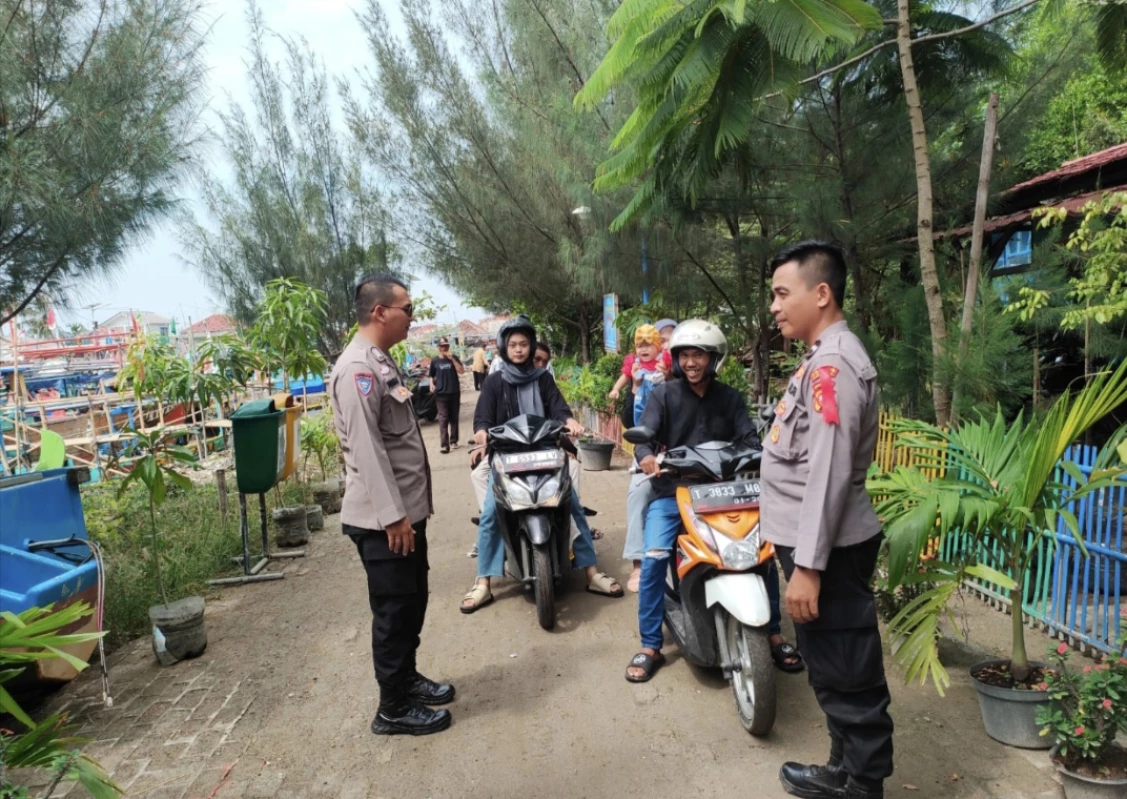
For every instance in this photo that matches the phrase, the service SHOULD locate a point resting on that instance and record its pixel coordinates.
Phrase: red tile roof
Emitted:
(216, 323)
(1077, 166)
(1074, 205)
(467, 328)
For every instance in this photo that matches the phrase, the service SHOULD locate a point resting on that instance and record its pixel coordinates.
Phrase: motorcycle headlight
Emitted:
(519, 493)
(548, 493)
(739, 556)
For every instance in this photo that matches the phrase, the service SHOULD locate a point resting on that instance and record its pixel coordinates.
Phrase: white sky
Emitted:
(154, 276)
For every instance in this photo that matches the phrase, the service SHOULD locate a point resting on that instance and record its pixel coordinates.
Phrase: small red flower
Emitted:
(1043, 686)
(1062, 649)
(1107, 704)
(1087, 669)
(1079, 730)
(1123, 661)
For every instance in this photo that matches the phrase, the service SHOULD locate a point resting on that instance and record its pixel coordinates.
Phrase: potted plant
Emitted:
(1089, 708)
(1001, 492)
(595, 452)
(36, 634)
(321, 442)
(178, 627)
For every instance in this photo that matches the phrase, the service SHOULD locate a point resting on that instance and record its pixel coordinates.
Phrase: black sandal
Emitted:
(781, 653)
(647, 663)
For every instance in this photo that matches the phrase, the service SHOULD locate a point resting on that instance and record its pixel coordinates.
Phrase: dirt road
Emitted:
(279, 706)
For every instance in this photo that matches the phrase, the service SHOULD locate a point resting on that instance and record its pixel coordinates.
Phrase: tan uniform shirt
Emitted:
(818, 451)
(479, 364)
(387, 475)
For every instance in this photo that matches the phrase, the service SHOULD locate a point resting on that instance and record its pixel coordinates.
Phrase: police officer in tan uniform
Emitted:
(387, 502)
(817, 513)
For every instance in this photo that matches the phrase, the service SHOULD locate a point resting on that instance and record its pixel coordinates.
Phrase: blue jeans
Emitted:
(491, 545)
(663, 524)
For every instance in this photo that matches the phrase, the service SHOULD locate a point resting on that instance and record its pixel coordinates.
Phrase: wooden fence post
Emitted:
(221, 486)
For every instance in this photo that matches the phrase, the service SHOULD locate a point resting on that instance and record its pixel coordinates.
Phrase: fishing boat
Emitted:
(45, 557)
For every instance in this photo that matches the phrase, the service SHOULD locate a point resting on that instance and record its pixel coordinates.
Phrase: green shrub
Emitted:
(196, 546)
(587, 388)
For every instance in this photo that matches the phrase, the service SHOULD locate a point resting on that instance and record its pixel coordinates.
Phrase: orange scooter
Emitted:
(716, 604)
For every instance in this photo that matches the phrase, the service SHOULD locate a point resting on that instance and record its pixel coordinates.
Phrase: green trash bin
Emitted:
(259, 433)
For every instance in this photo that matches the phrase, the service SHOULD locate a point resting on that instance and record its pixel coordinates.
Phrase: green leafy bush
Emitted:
(1089, 707)
(587, 386)
(195, 546)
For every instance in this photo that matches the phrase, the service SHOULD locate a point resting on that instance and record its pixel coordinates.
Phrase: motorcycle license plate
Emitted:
(532, 461)
(716, 497)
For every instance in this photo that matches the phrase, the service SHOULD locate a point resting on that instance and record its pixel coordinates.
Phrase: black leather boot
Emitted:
(409, 718)
(430, 692)
(855, 789)
(817, 782)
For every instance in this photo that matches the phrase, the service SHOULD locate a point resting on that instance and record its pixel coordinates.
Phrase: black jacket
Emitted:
(497, 402)
(682, 419)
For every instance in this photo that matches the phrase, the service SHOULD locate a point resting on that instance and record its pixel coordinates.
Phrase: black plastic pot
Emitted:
(328, 495)
(291, 528)
(179, 632)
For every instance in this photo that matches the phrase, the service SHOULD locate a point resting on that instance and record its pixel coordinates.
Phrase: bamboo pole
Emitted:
(94, 437)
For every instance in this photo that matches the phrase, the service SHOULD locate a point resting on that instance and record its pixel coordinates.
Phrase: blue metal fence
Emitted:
(1081, 600)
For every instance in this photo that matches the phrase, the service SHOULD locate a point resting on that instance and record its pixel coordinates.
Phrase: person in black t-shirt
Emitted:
(445, 372)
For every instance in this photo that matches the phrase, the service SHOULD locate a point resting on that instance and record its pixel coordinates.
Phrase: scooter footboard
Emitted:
(744, 595)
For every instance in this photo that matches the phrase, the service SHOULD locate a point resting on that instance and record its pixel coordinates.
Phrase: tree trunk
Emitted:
(864, 314)
(928, 272)
(762, 344)
(1019, 659)
(584, 333)
(970, 295)
(739, 258)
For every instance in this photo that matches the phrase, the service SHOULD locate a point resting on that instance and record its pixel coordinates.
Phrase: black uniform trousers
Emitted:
(397, 594)
(843, 653)
(449, 406)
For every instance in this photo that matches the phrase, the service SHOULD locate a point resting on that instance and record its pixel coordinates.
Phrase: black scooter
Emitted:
(423, 399)
(532, 486)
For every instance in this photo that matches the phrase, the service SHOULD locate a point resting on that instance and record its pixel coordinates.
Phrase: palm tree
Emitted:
(1002, 491)
(702, 71)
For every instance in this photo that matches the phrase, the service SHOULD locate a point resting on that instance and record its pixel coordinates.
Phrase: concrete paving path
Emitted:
(279, 705)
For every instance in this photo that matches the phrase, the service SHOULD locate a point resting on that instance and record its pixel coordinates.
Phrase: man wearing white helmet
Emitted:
(691, 410)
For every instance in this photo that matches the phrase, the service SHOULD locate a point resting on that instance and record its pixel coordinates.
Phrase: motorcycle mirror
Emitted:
(639, 435)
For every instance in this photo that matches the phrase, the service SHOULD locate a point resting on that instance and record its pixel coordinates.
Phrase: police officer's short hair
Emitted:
(540, 345)
(373, 290)
(820, 262)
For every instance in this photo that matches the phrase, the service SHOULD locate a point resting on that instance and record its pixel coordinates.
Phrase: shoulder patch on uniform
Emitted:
(825, 393)
(364, 382)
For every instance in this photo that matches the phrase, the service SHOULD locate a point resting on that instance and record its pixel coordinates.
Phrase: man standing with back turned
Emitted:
(387, 502)
(817, 513)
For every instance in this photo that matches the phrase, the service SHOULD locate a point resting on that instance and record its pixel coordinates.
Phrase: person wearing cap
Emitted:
(446, 371)
(387, 502)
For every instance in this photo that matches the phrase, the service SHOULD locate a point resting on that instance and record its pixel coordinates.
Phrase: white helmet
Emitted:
(701, 335)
